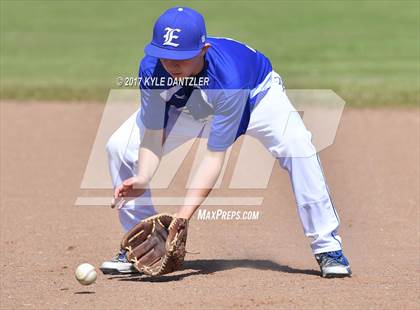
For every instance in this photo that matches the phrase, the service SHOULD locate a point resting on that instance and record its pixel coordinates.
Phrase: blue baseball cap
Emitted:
(179, 33)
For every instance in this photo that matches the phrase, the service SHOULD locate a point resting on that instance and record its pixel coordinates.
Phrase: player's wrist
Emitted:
(141, 180)
(186, 212)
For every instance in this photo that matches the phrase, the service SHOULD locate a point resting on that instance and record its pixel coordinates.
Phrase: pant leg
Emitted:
(276, 123)
(122, 149)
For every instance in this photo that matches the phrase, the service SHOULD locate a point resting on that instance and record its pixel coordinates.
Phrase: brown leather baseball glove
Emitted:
(156, 245)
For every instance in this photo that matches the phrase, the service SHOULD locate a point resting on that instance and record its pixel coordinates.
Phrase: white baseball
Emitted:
(85, 274)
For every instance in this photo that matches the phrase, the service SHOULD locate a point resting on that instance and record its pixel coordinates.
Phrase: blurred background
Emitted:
(366, 51)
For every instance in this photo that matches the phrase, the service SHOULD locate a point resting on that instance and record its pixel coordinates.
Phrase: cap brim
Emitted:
(155, 51)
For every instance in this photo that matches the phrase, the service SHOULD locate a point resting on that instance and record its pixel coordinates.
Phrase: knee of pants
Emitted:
(122, 161)
(113, 147)
(296, 144)
(116, 149)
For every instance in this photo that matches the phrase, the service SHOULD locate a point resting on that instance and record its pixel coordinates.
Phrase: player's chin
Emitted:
(178, 75)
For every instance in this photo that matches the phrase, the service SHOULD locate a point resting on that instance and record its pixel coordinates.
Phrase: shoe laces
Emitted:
(121, 257)
(333, 257)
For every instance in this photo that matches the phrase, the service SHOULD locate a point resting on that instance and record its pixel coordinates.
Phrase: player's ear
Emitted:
(205, 48)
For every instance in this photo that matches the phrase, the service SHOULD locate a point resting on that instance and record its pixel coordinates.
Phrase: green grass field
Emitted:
(366, 51)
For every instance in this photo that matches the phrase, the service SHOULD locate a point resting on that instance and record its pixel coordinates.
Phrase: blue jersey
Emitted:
(234, 78)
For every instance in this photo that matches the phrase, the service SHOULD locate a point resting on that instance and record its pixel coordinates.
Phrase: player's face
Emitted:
(185, 68)
(180, 68)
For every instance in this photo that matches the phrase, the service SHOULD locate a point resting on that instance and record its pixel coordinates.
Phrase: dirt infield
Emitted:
(372, 169)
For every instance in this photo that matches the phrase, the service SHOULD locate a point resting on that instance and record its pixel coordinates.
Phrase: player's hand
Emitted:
(128, 190)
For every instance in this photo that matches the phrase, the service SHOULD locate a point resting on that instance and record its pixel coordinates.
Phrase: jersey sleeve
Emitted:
(228, 119)
(153, 111)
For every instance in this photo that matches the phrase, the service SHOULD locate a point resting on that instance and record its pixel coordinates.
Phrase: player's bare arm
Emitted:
(203, 182)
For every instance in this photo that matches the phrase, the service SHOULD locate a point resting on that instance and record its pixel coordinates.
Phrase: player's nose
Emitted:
(172, 63)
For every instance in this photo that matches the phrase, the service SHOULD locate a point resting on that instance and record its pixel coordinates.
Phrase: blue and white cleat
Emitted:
(333, 264)
(118, 265)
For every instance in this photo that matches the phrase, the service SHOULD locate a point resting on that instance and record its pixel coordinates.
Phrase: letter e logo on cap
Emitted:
(169, 36)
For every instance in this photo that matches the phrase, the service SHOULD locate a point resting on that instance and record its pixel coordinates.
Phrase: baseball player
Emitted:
(193, 85)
